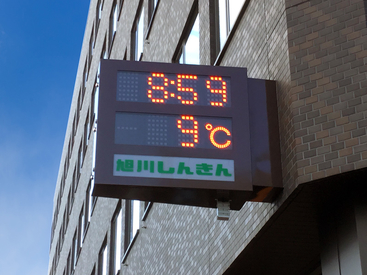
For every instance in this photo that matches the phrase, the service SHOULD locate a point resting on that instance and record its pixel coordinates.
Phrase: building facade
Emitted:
(316, 51)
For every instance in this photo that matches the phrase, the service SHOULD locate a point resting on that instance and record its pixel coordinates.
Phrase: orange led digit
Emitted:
(194, 132)
(181, 89)
(152, 93)
(222, 90)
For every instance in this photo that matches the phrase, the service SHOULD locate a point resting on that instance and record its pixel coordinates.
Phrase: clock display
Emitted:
(168, 88)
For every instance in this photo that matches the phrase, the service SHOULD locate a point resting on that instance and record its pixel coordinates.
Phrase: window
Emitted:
(152, 10)
(93, 110)
(74, 250)
(77, 111)
(147, 206)
(74, 183)
(104, 55)
(81, 229)
(137, 37)
(116, 241)
(94, 99)
(91, 48)
(80, 159)
(70, 148)
(85, 79)
(52, 230)
(77, 115)
(53, 271)
(70, 200)
(94, 198)
(120, 4)
(68, 264)
(113, 23)
(58, 249)
(132, 222)
(99, 13)
(75, 125)
(102, 260)
(188, 50)
(66, 222)
(228, 11)
(86, 132)
(152, 5)
(135, 218)
(62, 182)
(58, 202)
(88, 204)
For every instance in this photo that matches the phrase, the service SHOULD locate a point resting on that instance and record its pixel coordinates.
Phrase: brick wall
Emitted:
(328, 58)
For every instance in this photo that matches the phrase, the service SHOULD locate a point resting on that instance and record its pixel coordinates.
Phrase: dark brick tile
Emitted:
(309, 154)
(337, 146)
(348, 112)
(356, 117)
(333, 101)
(325, 165)
(328, 125)
(359, 132)
(337, 77)
(331, 156)
(313, 114)
(315, 144)
(308, 138)
(336, 130)
(321, 119)
(360, 148)
(317, 160)
(299, 118)
(353, 158)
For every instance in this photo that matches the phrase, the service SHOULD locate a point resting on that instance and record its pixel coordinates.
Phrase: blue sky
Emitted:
(40, 43)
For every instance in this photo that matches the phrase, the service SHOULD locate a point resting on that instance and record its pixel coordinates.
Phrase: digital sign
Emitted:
(181, 134)
(168, 88)
(166, 130)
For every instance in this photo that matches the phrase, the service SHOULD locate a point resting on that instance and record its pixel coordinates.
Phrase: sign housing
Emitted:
(175, 134)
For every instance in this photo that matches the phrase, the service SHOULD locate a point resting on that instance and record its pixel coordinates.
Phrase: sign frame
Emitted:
(179, 191)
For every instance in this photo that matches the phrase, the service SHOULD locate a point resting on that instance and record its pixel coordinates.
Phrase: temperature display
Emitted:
(173, 130)
(168, 88)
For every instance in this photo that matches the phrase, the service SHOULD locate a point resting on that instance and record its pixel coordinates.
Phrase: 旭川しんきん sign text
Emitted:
(173, 167)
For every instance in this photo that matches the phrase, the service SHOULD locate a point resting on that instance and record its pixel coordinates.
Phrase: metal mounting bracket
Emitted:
(223, 211)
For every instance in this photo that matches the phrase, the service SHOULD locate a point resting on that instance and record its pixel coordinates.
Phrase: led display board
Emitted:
(173, 130)
(168, 88)
(174, 133)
